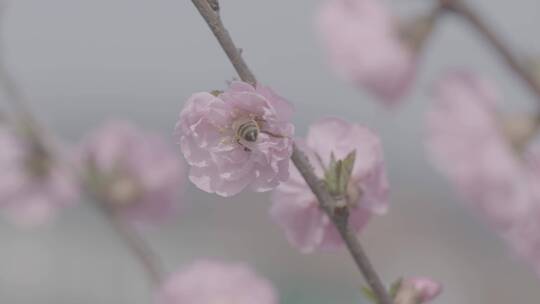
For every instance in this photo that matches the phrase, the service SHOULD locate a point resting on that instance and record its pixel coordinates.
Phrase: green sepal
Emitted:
(329, 174)
(345, 172)
(338, 174)
(369, 294)
(216, 93)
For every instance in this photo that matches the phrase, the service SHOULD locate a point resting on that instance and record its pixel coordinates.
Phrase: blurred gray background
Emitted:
(82, 62)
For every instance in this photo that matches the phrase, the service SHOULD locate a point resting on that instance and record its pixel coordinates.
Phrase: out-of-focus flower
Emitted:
(296, 209)
(34, 184)
(238, 138)
(423, 289)
(365, 47)
(524, 233)
(212, 282)
(467, 144)
(134, 173)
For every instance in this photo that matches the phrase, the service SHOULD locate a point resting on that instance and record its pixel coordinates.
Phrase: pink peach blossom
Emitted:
(135, 173)
(225, 163)
(212, 282)
(363, 42)
(296, 209)
(426, 289)
(34, 184)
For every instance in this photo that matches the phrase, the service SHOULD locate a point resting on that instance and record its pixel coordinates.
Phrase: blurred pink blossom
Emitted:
(296, 209)
(34, 184)
(467, 144)
(135, 173)
(364, 46)
(524, 234)
(222, 160)
(212, 282)
(425, 288)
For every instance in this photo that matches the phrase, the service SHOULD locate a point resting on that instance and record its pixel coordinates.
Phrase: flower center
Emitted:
(123, 191)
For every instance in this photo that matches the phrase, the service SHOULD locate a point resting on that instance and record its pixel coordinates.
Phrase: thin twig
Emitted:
(138, 247)
(301, 162)
(7, 81)
(209, 11)
(462, 9)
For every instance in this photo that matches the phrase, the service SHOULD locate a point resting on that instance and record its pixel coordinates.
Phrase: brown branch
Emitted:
(209, 11)
(460, 8)
(9, 84)
(301, 162)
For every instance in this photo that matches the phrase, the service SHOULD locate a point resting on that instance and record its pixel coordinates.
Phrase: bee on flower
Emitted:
(237, 138)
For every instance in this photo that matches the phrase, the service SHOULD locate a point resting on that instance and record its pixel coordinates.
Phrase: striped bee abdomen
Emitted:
(248, 130)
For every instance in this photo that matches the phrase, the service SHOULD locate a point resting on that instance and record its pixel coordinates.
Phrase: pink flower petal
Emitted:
(362, 41)
(426, 288)
(211, 282)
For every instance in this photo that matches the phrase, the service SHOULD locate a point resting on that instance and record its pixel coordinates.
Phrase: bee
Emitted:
(246, 130)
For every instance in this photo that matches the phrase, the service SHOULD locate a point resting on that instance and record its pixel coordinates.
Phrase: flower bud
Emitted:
(417, 290)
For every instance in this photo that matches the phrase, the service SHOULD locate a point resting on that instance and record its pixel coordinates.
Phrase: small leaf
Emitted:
(330, 176)
(332, 160)
(338, 174)
(329, 179)
(348, 163)
(346, 170)
(369, 294)
(339, 178)
(394, 288)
